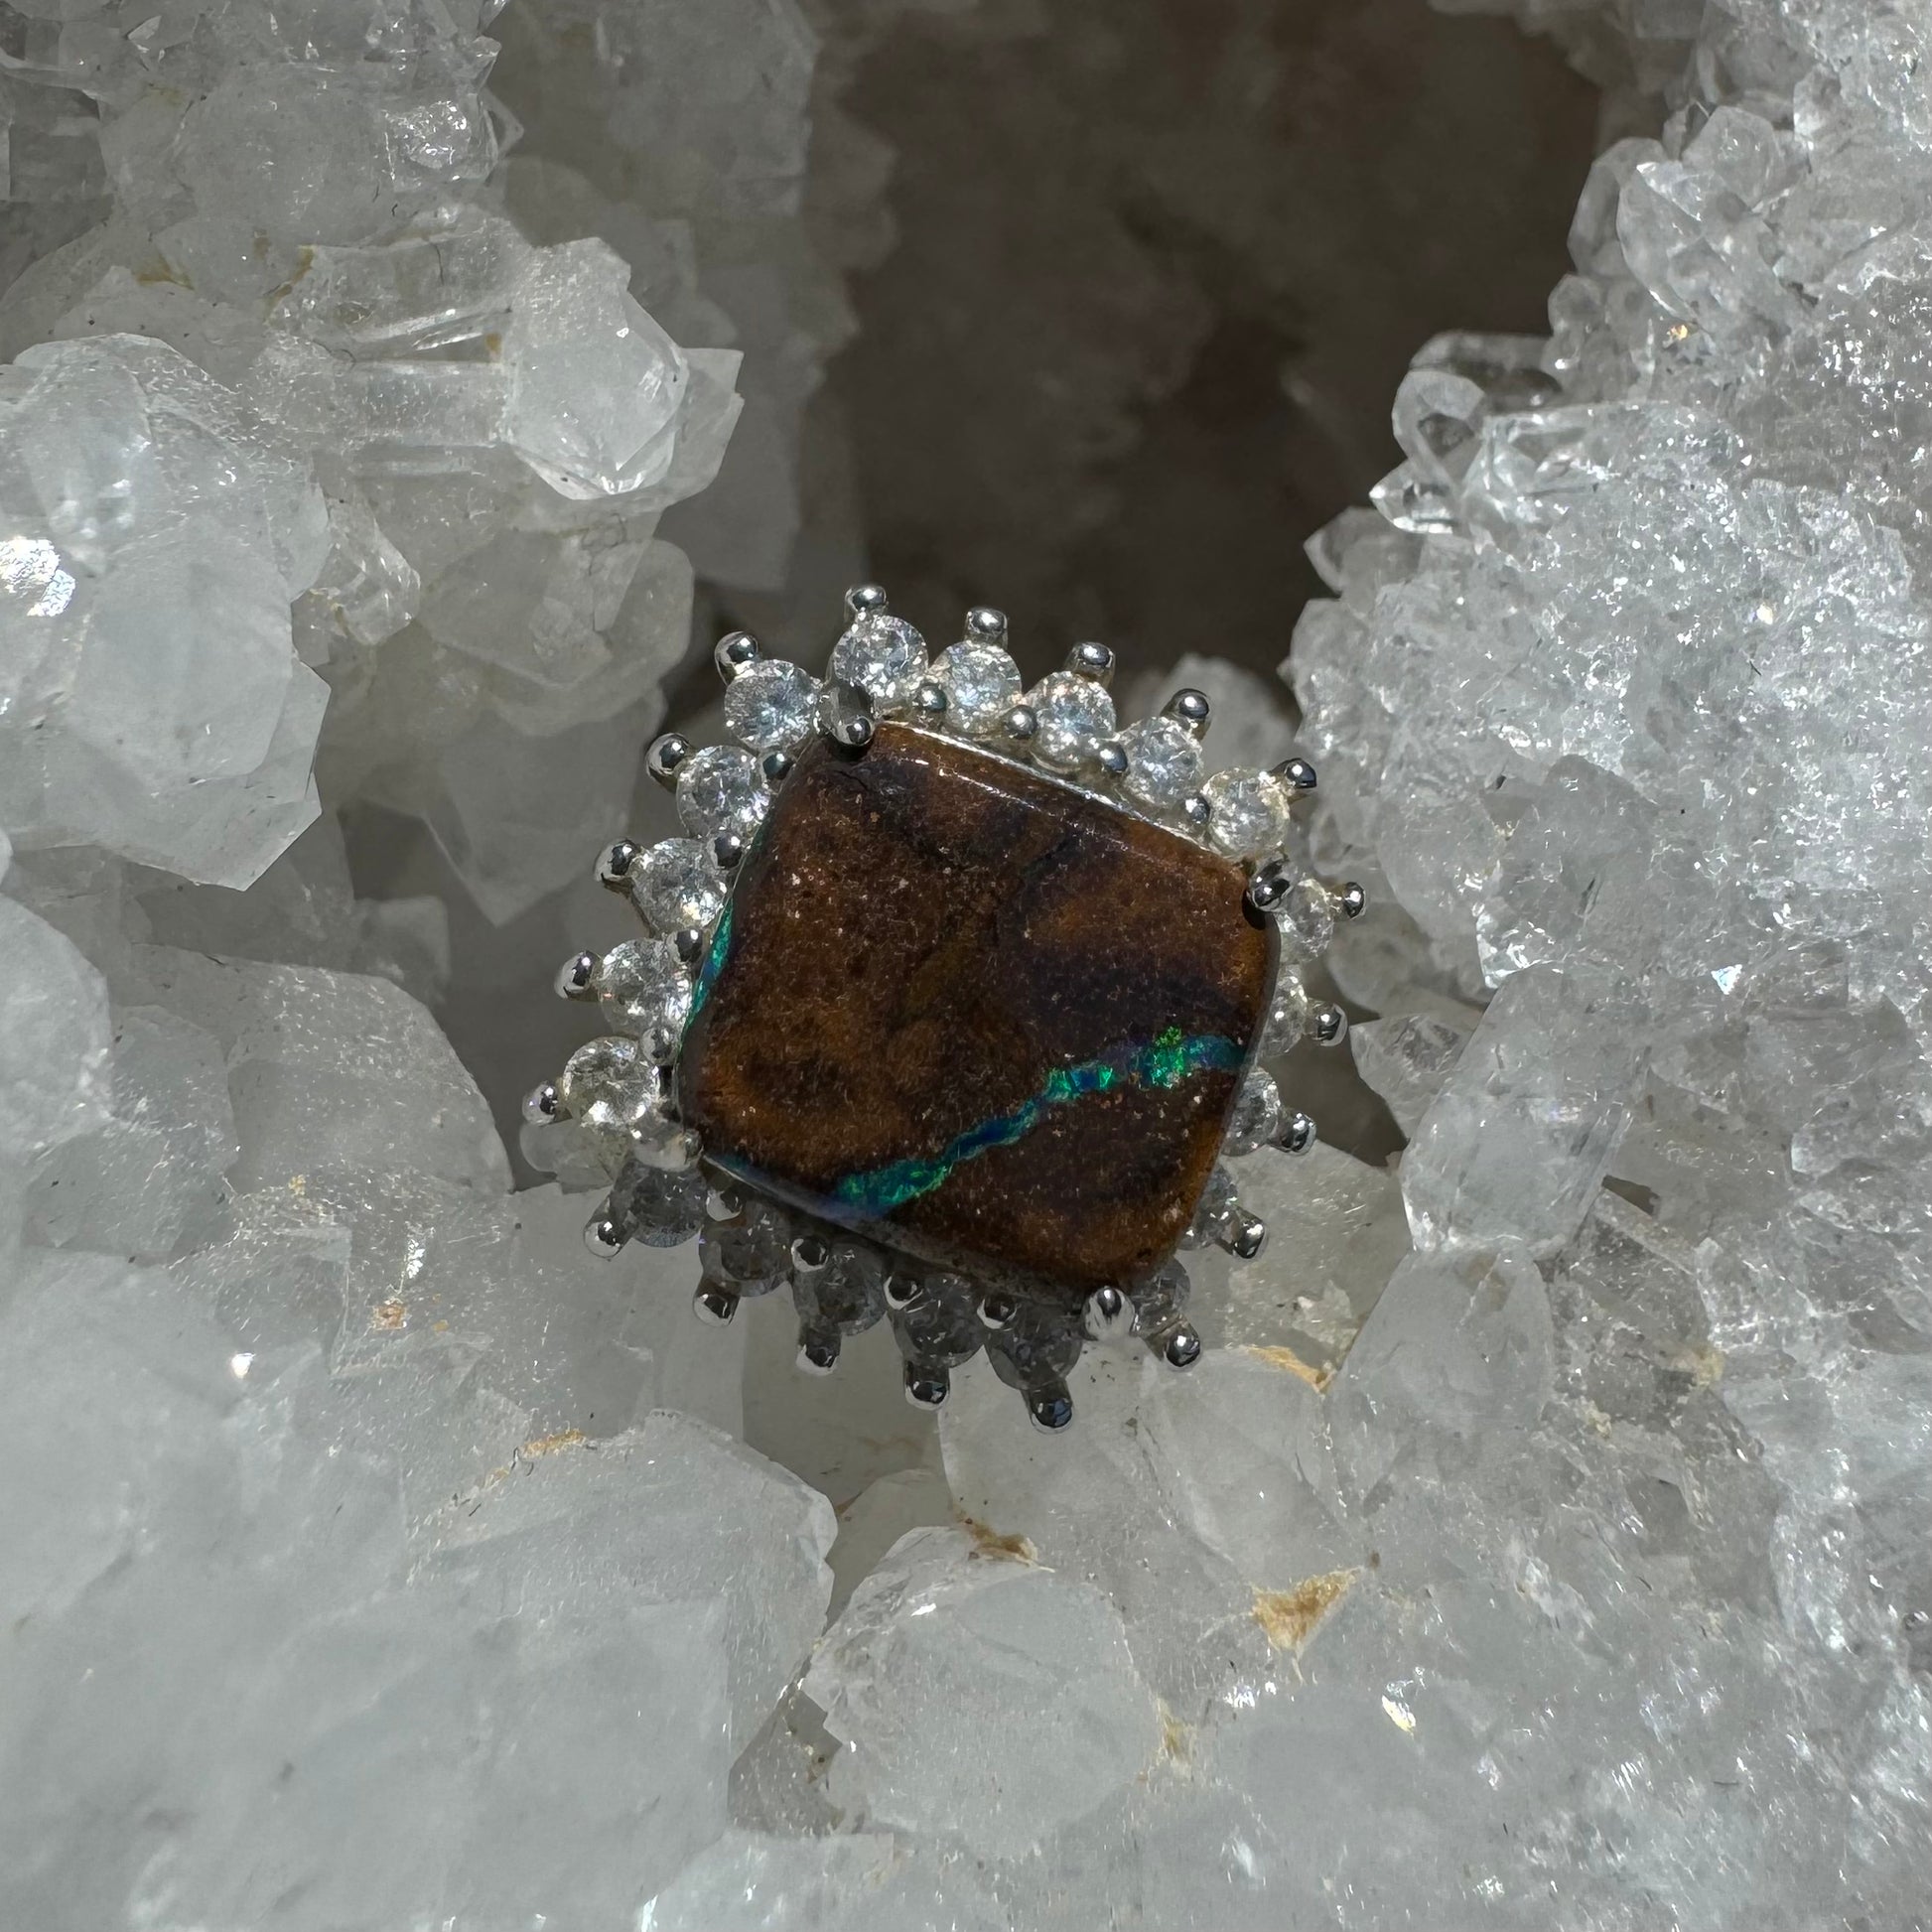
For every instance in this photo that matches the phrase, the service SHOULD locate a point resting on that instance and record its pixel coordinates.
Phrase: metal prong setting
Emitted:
(727, 848)
(812, 1255)
(845, 714)
(1112, 758)
(1180, 1347)
(1197, 808)
(1050, 1409)
(1246, 1237)
(660, 1043)
(865, 599)
(602, 1236)
(734, 652)
(776, 767)
(929, 702)
(614, 868)
(713, 1305)
(1269, 887)
(1022, 724)
(1191, 708)
(666, 753)
(927, 1387)
(818, 1355)
(1296, 773)
(1091, 660)
(902, 1290)
(1350, 900)
(985, 625)
(541, 1105)
(724, 1200)
(1297, 1134)
(574, 976)
(1329, 1023)
(996, 1310)
(689, 941)
(1107, 1315)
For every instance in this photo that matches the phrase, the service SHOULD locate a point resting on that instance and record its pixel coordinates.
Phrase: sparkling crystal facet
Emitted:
(674, 886)
(722, 790)
(1076, 714)
(611, 1086)
(642, 984)
(773, 706)
(1164, 763)
(981, 683)
(1250, 812)
(884, 656)
(1306, 918)
(1288, 1014)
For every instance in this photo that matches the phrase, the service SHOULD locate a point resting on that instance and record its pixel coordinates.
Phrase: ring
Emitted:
(951, 1005)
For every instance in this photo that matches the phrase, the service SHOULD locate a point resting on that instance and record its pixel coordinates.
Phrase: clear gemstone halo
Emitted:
(952, 1002)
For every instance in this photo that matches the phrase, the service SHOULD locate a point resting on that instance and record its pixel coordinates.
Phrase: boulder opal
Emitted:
(976, 1015)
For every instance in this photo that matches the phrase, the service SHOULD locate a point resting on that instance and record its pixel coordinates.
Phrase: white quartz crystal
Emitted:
(1540, 1537)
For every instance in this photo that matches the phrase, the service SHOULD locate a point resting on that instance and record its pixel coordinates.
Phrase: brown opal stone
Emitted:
(976, 1015)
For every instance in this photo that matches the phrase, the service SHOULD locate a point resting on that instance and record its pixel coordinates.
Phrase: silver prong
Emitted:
(675, 1154)
(818, 1355)
(689, 942)
(1197, 809)
(714, 1306)
(1107, 1315)
(1328, 1024)
(1350, 900)
(734, 652)
(723, 1201)
(865, 599)
(1191, 708)
(902, 1290)
(930, 700)
(776, 767)
(1246, 1237)
(1298, 1135)
(614, 868)
(542, 1104)
(727, 848)
(666, 753)
(812, 1255)
(601, 1235)
(986, 625)
(1269, 887)
(1112, 758)
(1022, 724)
(996, 1310)
(1050, 1409)
(1180, 1347)
(927, 1387)
(1091, 660)
(660, 1043)
(1296, 773)
(845, 714)
(574, 976)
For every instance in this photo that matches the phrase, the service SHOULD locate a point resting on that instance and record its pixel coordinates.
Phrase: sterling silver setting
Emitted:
(613, 1111)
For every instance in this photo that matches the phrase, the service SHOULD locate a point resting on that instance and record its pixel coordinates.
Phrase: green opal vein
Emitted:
(1164, 1061)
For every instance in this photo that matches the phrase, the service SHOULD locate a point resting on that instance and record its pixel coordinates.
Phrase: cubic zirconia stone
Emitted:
(884, 656)
(1163, 764)
(722, 790)
(1287, 1015)
(981, 683)
(942, 1329)
(642, 984)
(657, 1206)
(772, 707)
(1250, 812)
(673, 886)
(1256, 1117)
(610, 1086)
(750, 1255)
(1074, 715)
(1306, 918)
(1216, 1211)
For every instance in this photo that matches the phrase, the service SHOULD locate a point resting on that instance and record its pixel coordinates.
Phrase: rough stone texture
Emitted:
(923, 941)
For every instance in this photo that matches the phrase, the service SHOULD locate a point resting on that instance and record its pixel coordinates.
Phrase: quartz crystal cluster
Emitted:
(1541, 1536)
